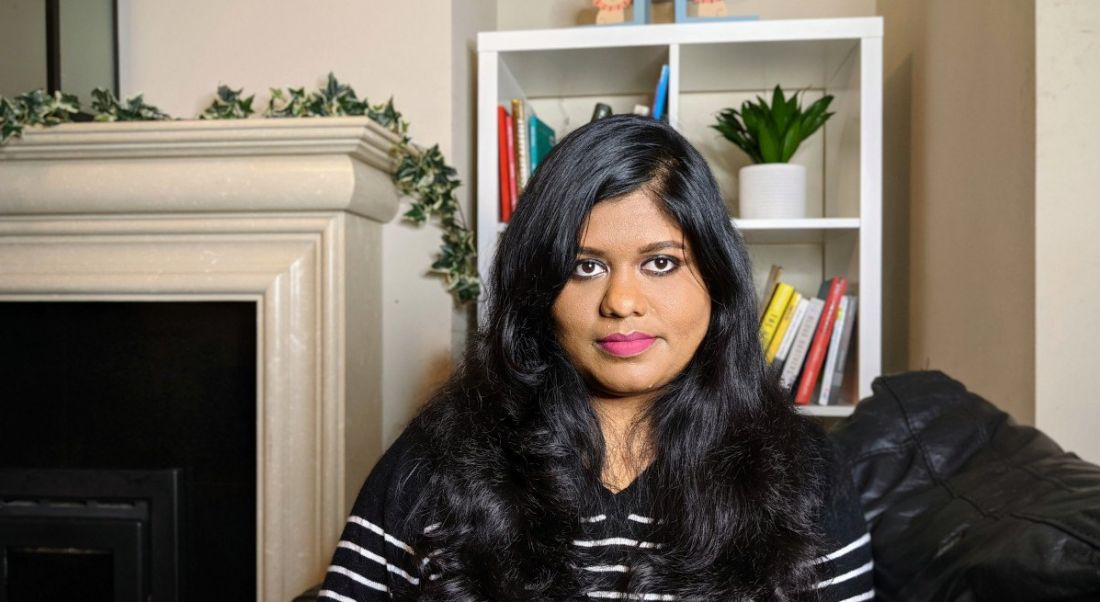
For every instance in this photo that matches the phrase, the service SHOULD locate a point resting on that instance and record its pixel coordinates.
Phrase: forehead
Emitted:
(628, 221)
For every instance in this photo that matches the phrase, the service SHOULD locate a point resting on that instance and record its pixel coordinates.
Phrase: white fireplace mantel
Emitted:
(283, 213)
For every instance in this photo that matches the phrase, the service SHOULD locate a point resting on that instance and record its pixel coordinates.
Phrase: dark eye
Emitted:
(662, 264)
(588, 268)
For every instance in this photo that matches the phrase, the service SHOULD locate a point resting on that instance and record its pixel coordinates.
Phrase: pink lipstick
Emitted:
(626, 345)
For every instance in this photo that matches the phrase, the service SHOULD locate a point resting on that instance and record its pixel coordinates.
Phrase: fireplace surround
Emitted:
(286, 215)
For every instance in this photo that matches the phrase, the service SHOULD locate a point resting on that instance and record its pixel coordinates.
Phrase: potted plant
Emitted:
(772, 187)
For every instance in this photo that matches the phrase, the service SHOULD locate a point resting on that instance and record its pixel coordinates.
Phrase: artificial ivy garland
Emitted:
(421, 174)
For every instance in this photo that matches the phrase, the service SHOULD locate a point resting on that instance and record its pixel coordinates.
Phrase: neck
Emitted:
(625, 439)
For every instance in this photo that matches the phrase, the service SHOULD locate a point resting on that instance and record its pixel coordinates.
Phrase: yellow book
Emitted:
(781, 330)
(774, 313)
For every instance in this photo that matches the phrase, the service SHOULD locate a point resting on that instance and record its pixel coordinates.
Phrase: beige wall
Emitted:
(469, 17)
(962, 76)
(178, 51)
(903, 27)
(1067, 245)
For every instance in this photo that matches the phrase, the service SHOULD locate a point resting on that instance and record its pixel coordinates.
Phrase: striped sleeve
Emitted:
(372, 561)
(846, 569)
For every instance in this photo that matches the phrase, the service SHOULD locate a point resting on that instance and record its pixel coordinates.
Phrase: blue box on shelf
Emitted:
(681, 12)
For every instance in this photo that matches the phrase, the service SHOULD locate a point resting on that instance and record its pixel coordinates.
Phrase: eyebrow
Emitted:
(656, 246)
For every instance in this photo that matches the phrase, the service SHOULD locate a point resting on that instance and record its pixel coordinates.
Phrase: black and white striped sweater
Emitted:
(371, 559)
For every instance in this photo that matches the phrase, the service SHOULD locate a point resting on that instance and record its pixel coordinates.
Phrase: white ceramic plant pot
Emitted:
(773, 191)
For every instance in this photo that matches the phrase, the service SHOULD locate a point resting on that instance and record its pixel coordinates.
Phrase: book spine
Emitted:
(769, 289)
(801, 343)
(533, 142)
(834, 349)
(778, 305)
(660, 96)
(845, 346)
(519, 126)
(792, 331)
(781, 330)
(503, 118)
(513, 186)
(821, 340)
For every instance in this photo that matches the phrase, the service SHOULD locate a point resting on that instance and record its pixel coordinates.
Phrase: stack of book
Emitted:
(808, 339)
(523, 141)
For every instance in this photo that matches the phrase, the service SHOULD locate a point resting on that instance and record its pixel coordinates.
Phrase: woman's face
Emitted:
(635, 309)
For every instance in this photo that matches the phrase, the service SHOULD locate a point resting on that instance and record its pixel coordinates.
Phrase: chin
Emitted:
(625, 387)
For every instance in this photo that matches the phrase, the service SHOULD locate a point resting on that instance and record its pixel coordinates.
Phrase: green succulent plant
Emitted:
(771, 134)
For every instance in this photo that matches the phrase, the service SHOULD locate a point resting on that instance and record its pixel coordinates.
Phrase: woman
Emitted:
(614, 432)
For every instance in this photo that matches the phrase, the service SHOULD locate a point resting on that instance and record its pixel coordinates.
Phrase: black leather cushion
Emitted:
(963, 503)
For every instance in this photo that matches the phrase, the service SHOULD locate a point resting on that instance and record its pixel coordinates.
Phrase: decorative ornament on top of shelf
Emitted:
(772, 188)
(613, 12)
(422, 175)
(706, 11)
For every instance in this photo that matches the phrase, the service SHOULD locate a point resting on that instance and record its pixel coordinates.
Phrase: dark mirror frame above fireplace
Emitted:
(84, 32)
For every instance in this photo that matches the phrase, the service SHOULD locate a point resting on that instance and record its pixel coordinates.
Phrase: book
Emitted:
(784, 325)
(503, 146)
(542, 138)
(774, 313)
(769, 289)
(827, 372)
(519, 128)
(801, 345)
(845, 345)
(660, 96)
(816, 355)
(792, 330)
(513, 185)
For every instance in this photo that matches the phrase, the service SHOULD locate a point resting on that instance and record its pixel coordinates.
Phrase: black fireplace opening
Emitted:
(128, 450)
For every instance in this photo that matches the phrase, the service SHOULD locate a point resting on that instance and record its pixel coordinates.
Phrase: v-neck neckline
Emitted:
(620, 494)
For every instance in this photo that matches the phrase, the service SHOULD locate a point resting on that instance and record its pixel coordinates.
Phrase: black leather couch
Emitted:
(962, 503)
(965, 504)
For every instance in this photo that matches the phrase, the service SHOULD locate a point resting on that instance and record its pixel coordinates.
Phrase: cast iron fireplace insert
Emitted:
(94, 535)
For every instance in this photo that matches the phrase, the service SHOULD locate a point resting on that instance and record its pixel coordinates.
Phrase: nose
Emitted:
(624, 296)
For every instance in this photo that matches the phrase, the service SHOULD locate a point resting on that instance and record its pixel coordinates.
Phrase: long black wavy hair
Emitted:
(516, 448)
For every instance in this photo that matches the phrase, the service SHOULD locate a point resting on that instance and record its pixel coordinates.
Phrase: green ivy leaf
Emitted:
(109, 108)
(228, 104)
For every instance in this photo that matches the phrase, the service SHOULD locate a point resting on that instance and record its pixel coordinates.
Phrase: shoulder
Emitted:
(845, 563)
(374, 560)
(398, 476)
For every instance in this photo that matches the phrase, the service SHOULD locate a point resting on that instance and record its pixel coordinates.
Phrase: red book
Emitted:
(504, 143)
(816, 356)
(510, 146)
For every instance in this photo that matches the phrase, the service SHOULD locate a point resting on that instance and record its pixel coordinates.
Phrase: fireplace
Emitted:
(247, 254)
(141, 387)
(91, 535)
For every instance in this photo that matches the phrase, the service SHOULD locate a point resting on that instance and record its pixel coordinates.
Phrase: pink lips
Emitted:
(626, 345)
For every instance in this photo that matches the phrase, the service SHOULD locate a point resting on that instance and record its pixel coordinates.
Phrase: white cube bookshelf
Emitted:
(562, 73)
